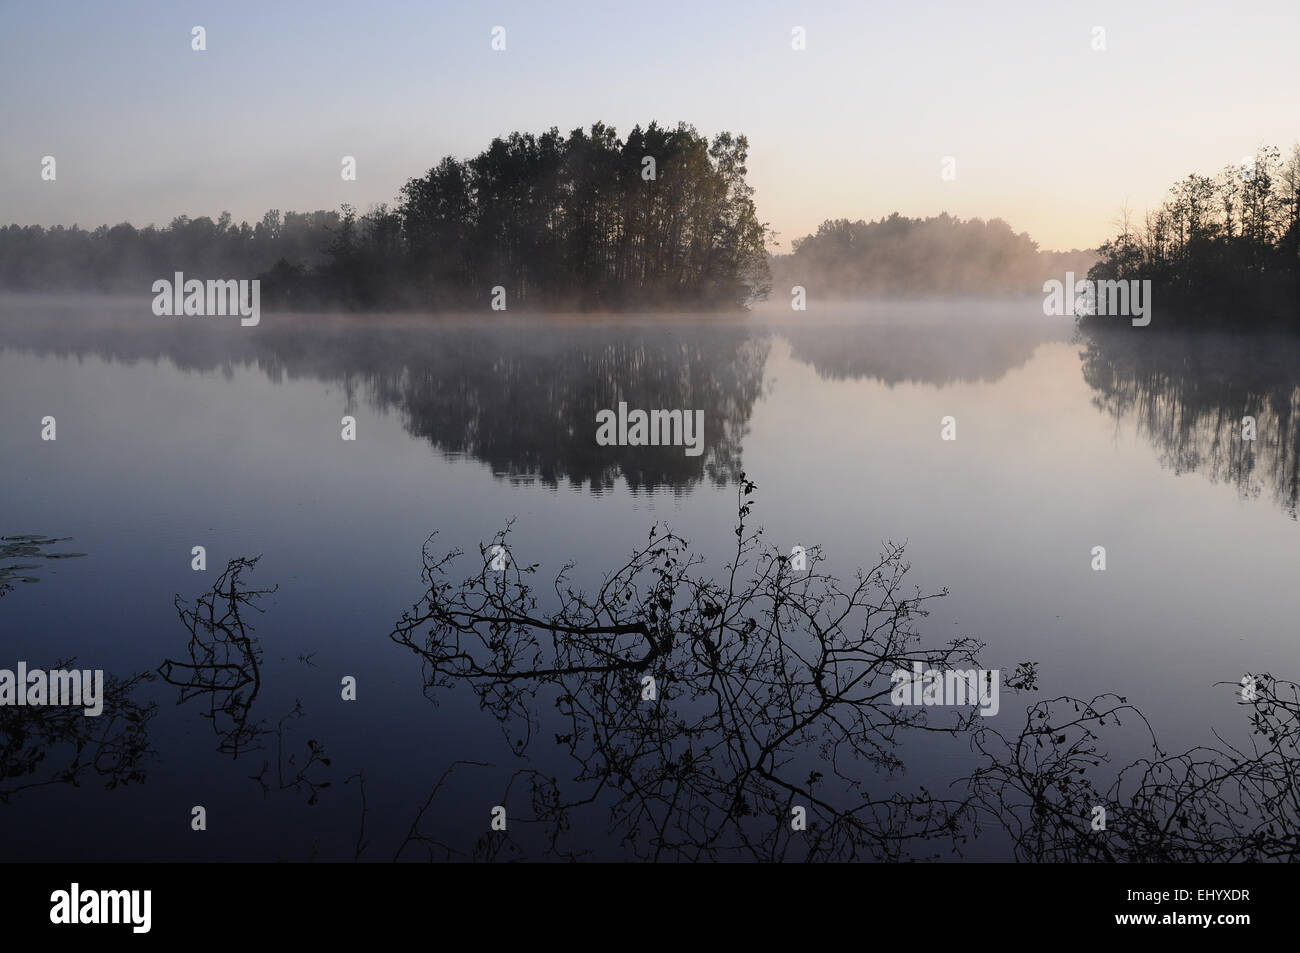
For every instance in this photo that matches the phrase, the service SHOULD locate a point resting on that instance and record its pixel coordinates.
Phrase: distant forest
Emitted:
(921, 257)
(1221, 251)
(578, 221)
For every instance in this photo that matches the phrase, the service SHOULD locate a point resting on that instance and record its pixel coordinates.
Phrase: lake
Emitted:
(174, 433)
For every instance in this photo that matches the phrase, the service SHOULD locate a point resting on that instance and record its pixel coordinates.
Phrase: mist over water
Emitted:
(178, 432)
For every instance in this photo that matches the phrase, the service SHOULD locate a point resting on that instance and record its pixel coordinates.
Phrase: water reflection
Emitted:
(768, 732)
(25, 549)
(43, 745)
(223, 668)
(750, 716)
(1188, 395)
(223, 665)
(920, 351)
(59, 745)
(523, 403)
(523, 398)
(696, 715)
(527, 406)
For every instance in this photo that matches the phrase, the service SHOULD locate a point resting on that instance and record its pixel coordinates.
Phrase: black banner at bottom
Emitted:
(176, 902)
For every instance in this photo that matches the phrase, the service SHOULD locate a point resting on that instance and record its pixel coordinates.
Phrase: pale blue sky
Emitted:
(1047, 133)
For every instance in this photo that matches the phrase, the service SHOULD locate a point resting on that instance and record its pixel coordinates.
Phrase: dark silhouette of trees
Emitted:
(557, 221)
(1219, 251)
(566, 222)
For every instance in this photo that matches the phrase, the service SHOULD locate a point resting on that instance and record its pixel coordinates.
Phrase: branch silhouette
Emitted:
(54, 744)
(1209, 804)
(772, 689)
(694, 710)
(224, 658)
(224, 667)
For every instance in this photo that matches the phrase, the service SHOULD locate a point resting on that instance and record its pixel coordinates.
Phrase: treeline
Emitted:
(123, 258)
(663, 218)
(921, 257)
(1222, 250)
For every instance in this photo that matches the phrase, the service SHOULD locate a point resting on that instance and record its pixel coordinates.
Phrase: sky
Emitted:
(1045, 131)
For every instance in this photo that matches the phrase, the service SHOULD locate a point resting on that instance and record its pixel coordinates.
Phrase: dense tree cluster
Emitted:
(921, 257)
(661, 218)
(1221, 250)
(578, 220)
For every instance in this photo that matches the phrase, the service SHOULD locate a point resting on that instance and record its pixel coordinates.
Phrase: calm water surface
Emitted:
(172, 435)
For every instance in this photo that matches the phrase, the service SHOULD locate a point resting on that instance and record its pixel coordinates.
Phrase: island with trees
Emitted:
(660, 219)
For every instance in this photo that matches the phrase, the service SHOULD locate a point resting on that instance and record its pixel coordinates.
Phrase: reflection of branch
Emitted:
(413, 836)
(224, 658)
(114, 744)
(770, 686)
(362, 843)
(301, 773)
(224, 667)
(1206, 805)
